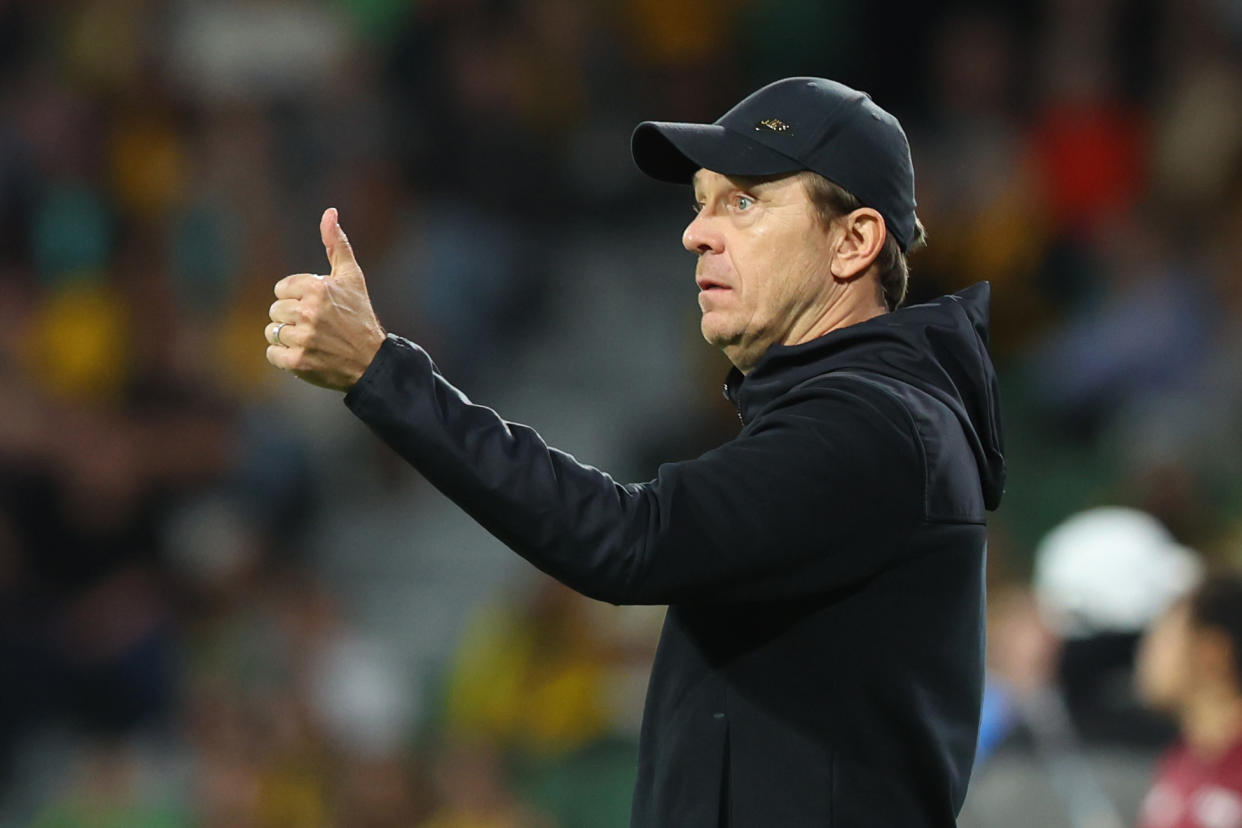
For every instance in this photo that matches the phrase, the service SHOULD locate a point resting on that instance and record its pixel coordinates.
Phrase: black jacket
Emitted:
(822, 659)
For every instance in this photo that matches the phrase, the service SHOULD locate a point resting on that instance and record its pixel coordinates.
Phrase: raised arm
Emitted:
(757, 518)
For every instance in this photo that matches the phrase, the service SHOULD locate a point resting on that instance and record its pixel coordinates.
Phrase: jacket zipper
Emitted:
(736, 406)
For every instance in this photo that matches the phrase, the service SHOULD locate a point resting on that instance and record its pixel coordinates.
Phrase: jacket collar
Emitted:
(939, 347)
(859, 347)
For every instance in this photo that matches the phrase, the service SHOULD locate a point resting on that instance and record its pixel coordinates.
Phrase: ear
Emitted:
(862, 235)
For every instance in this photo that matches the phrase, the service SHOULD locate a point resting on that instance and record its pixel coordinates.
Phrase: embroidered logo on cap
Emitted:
(774, 124)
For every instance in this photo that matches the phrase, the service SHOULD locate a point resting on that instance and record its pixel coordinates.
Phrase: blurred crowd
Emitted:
(222, 603)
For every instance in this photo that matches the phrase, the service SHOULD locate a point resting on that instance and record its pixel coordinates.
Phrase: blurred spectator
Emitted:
(1044, 772)
(1063, 738)
(1100, 578)
(1191, 667)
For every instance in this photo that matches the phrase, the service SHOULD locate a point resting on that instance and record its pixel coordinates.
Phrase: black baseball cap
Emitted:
(791, 125)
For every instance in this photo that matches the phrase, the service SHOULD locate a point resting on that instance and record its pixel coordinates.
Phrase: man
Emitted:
(1190, 665)
(822, 657)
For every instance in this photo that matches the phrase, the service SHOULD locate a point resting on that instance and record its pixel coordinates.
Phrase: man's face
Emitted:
(764, 263)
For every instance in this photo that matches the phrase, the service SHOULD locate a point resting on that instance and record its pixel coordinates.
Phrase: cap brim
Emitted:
(675, 152)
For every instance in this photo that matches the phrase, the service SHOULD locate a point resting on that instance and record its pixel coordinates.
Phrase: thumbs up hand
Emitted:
(323, 329)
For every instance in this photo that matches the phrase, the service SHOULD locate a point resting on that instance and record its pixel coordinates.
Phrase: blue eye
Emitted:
(745, 202)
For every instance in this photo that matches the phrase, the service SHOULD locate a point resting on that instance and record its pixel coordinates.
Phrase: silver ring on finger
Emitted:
(276, 335)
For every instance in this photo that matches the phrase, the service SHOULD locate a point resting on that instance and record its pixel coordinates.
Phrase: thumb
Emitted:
(336, 243)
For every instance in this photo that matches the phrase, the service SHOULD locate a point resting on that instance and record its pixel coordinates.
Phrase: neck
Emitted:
(840, 311)
(835, 318)
(1212, 722)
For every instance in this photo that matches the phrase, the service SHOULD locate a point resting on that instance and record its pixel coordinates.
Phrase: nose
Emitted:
(702, 237)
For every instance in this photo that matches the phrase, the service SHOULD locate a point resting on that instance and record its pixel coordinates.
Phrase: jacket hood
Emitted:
(939, 347)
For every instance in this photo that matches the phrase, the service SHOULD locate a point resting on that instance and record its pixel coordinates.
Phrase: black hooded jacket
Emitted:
(822, 658)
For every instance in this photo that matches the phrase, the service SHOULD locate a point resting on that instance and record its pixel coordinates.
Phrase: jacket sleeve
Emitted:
(815, 495)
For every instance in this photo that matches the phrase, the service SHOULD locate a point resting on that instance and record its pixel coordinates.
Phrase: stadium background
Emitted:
(222, 602)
